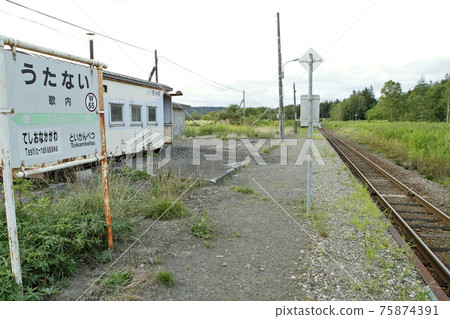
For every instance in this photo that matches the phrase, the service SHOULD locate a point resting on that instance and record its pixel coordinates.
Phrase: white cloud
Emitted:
(234, 42)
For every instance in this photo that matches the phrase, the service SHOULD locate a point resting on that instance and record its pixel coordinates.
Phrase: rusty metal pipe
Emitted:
(32, 172)
(105, 177)
(36, 48)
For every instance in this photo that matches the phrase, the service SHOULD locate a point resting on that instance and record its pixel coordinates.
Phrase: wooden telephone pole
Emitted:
(295, 111)
(280, 81)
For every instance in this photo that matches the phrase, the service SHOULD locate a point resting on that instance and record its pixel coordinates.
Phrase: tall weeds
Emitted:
(421, 146)
(57, 231)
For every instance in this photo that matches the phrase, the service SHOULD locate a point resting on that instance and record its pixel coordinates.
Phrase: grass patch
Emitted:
(379, 250)
(270, 148)
(225, 130)
(165, 278)
(201, 227)
(165, 208)
(243, 190)
(118, 279)
(317, 215)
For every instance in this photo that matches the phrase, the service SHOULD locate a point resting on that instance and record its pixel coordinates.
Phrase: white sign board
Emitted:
(55, 104)
(304, 110)
(317, 59)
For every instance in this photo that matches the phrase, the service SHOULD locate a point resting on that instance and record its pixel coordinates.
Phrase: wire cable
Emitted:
(77, 26)
(217, 83)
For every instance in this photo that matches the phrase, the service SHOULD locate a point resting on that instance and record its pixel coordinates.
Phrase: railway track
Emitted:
(423, 225)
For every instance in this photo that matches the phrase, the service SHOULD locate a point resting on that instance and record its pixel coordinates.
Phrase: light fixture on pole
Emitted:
(282, 72)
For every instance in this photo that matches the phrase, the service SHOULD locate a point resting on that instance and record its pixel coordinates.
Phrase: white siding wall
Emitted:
(127, 137)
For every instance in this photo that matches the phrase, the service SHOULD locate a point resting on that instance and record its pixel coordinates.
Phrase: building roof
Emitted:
(107, 75)
(179, 106)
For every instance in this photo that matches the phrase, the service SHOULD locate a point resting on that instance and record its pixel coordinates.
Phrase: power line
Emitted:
(106, 35)
(41, 24)
(194, 77)
(199, 75)
(77, 26)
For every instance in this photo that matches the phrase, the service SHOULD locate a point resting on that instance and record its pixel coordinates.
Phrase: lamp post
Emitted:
(282, 72)
(282, 76)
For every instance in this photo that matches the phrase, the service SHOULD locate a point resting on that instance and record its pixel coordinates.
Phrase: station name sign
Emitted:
(55, 104)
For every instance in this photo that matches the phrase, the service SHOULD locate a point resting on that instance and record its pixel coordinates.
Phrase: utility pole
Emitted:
(295, 112)
(280, 81)
(243, 103)
(91, 45)
(156, 65)
(155, 68)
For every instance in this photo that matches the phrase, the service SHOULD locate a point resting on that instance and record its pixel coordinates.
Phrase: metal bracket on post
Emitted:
(13, 49)
(6, 111)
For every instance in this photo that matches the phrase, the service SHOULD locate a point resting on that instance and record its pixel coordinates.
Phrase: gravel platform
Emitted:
(262, 245)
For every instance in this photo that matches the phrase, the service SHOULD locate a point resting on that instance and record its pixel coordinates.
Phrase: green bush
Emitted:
(56, 233)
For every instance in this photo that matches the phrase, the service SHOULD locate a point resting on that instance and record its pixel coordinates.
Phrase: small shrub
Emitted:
(201, 227)
(165, 278)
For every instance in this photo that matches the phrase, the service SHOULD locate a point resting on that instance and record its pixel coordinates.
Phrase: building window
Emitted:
(136, 118)
(116, 113)
(151, 115)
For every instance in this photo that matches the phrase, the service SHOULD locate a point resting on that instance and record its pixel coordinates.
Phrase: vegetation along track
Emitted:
(422, 224)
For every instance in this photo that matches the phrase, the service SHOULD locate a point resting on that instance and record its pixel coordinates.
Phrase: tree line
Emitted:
(426, 102)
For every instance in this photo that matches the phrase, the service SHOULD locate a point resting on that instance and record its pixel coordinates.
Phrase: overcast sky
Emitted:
(234, 42)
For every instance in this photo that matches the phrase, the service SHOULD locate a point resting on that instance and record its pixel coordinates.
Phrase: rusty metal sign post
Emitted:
(7, 118)
(105, 176)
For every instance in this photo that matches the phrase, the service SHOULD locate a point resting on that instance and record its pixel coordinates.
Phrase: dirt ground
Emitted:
(259, 248)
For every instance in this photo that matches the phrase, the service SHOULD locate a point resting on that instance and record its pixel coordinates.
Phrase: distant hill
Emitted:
(204, 109)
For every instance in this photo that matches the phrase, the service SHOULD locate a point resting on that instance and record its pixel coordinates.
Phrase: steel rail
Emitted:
(436, 263)
(440, 214)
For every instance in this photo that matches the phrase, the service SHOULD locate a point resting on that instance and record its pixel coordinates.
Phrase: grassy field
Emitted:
(424, 147)
(262, 129)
